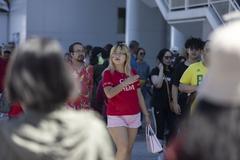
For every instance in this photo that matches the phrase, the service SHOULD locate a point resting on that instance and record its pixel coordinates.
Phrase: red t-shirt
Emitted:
(126, 102)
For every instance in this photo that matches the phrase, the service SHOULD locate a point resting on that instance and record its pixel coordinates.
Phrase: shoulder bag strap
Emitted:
(169, 94)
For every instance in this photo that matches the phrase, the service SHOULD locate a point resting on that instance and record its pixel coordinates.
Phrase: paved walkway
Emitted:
(140, 149)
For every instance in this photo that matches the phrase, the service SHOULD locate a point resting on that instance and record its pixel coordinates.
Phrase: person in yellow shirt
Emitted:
(194, 75)
(212, 132)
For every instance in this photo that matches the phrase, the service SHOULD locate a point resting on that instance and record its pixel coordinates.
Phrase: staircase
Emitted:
(179, 11)
(194, 18)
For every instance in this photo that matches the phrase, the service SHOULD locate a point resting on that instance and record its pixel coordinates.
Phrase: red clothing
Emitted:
(174, 151)
(3, 67)
(15, 110)
(84, 76)
(126, 102)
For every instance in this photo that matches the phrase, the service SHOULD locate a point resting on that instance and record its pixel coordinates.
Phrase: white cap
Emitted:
(174, 49)
(222, 83)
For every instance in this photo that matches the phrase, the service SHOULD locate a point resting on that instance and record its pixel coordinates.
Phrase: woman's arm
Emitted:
(176, 106)
(113, 91)
(143, 106)
(157, 80)
(187, 88)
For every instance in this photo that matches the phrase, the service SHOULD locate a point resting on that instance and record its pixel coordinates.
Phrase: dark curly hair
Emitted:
(194, 43)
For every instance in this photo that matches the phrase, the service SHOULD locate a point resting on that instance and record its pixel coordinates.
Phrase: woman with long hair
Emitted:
(125, 101)
(160, 78)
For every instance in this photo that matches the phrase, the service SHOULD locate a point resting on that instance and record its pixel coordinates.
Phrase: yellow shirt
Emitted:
(194, 74)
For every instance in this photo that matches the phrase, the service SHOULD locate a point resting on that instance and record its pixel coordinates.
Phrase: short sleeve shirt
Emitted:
(84, 76)
(194, 74)
(126, 102)
(177, 73)
(160, 95)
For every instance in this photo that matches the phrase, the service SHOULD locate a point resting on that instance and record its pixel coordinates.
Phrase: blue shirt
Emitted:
(133, 62)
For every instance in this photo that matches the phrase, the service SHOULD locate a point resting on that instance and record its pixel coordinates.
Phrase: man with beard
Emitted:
(83, 73)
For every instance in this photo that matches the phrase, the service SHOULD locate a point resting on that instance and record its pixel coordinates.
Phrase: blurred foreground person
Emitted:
(213, 131)
(38, 78)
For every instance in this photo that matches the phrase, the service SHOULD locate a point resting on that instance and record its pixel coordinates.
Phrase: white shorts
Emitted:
(129, 121)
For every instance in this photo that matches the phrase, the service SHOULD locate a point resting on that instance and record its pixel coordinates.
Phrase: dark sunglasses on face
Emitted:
(142, 53)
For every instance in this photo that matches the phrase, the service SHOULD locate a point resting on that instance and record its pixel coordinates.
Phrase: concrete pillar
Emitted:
(146, 24)
(132, 19)
(177, 39)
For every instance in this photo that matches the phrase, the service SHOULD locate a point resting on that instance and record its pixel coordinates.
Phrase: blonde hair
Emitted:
(123, 49)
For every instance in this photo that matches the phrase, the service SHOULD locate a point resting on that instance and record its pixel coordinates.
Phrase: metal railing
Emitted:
(3, 6)
(219, 7)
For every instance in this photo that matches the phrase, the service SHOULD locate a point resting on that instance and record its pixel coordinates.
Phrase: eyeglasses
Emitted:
(79, 51)
(168, 57)
(119, 54)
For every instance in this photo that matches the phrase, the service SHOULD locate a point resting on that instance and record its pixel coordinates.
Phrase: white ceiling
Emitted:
(190, 28)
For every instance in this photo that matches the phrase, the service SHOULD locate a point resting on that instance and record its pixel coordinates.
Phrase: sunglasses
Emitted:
(142, 53)
(119, 54)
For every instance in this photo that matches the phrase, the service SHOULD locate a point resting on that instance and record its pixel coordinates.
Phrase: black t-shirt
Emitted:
(160, 95)
(177, 73)
(176, 76)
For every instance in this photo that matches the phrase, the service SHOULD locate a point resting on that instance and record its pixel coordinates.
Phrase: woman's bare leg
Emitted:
(120, 138)
(132, 134)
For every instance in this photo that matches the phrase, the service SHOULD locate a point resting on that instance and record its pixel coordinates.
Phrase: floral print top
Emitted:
(84, 76)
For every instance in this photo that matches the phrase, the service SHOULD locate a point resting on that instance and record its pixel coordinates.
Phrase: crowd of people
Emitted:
(38, 78)
(212, 130)
(105, 77)
(192, 95)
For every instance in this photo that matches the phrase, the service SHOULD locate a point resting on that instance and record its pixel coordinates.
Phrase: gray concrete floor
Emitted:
(140, 149)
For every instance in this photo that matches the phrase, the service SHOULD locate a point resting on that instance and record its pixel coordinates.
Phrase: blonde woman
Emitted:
(125, 101)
